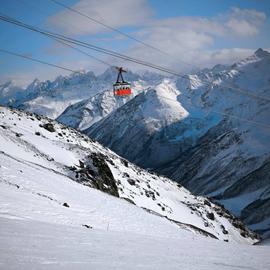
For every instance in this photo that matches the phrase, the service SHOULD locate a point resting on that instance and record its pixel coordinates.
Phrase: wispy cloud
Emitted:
(193, 39)
(117, 13)
(196, 40)
(244, 22)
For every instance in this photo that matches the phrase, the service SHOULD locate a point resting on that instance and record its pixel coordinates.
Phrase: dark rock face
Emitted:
(104, 179)
(251, 182)
(95, 172)
(256, 212)
(187, 168)
(206, 170)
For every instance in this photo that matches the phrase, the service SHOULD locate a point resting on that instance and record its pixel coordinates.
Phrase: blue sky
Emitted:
(201, 33)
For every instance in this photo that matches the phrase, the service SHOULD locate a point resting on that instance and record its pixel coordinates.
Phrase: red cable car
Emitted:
(121, 87)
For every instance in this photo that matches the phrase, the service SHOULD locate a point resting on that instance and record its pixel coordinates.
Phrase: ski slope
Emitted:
(49, 218)
(55, 150)
(28, 244)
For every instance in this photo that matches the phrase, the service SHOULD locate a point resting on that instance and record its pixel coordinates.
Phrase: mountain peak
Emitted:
(262, 53)
(33, 84)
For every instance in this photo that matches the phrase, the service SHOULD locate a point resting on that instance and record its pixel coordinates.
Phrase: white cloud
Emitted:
(115, 13)
(244, 22)
(222, 56)
(188, 41)
(192, 39)
(185, 40)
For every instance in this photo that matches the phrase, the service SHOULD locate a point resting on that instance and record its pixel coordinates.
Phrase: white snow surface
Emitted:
(29, 244)
(97, 230)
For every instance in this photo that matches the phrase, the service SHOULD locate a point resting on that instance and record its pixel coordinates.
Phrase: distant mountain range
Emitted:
(51, 98)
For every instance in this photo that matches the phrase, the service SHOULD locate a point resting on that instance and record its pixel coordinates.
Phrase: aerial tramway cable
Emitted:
(87, 45)
(25, 3)
(107, 26)
(37, 60)
(67, 40)
(71, 9)
(117, 55)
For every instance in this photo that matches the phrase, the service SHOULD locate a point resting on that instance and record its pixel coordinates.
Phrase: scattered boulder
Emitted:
(149, 194)
(124, 162)
(129, 200)
(237, 224)
(224, 231)
(131, 182)
(49, 127)
(125, 174)
(37, 133)
(206, 202)
(87, 226)
(210, 215)
(65, 204)
(243, 233)
(81, 164)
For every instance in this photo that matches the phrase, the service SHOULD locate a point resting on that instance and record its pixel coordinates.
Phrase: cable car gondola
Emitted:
(121, 87)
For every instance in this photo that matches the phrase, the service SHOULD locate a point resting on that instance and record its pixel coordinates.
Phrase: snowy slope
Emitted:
(28, 244)
(46, 166)
(84, 114)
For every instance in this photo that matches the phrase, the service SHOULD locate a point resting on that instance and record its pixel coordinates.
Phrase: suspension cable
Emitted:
(66, 40)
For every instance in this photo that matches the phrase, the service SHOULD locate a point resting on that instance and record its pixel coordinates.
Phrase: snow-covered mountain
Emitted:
(208, 131)
(9, 92)
(84, 114)
(136, 127)
(196, 130)
(51, 98)
(54, 174)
